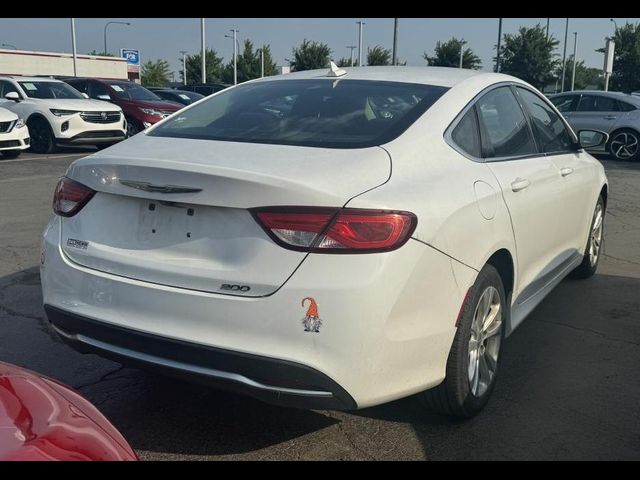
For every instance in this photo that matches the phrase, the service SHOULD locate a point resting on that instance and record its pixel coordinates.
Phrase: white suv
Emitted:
(14, 134)
(57, 114)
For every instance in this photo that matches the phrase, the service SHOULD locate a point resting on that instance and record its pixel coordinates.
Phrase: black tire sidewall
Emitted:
(39, 123)
(585, 269)
(457, 368)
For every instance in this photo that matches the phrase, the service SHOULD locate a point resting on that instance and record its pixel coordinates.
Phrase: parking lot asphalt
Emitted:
(569, 385)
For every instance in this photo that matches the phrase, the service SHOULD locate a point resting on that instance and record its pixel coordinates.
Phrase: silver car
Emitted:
(615, 113)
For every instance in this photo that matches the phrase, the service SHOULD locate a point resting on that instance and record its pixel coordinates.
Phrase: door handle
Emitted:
(520, 184)
(566, 171)
(610, 117)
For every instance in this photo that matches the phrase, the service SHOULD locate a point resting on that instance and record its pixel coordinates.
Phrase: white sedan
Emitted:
(328, 239)
(14, 134)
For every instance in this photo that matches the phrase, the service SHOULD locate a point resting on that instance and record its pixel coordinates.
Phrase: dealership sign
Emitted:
(133, 59)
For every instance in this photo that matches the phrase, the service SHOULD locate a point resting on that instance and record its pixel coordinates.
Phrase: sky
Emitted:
(166, 37)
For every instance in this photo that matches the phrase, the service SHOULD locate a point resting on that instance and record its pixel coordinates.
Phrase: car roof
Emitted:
(619, 95)
(440, 76)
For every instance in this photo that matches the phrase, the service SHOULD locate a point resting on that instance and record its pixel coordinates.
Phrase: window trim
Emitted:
(555, 110)
(472, 104)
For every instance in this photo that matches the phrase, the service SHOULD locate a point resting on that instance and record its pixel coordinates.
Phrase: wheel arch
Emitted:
(37, 116)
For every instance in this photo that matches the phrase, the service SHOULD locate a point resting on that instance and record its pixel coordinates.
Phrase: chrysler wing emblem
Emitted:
(149, 187)
(103, 115)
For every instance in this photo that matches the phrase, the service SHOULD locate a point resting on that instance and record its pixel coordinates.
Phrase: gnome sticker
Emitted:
(312, 320)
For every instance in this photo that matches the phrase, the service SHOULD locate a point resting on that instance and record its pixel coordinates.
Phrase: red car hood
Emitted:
(41, 419)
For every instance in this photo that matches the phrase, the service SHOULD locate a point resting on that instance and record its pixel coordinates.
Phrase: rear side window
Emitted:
(466, 135)
(597, 103)
(331, 113)
(549, 129)
(626, 107)
(504, 125)
(565, 103)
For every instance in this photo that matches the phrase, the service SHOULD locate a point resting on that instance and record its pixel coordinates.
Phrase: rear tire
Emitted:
(474, 357)
(42, 139)
(11, 153)
(624, 145)
(595, 243)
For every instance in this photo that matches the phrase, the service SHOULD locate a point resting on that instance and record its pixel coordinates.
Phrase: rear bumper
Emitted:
(388, 321)
(271, 380)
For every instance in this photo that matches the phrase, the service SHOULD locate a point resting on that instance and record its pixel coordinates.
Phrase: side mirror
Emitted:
(13, 96)
(84, 95)
(592, 138)
(104, 97)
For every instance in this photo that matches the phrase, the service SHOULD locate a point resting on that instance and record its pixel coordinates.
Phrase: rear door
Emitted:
(530, 186)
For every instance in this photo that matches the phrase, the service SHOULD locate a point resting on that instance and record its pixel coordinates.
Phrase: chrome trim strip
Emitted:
(148, 187)
(210, 372)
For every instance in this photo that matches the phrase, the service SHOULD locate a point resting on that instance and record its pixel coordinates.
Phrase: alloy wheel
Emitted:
(484, 344)
(624, 145)
(596, 235)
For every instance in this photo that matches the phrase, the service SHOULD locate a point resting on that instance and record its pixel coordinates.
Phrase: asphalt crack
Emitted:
(589, 330)
(103, 378)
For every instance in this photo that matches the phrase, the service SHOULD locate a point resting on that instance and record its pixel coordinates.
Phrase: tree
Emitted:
(626, 59)
(378, 56)
(586, 77)
(447, 54)
(155, 74)
(310, 55)
(529, 56)
(248, 64)
(346, 62)
(103, 54)
(214, 67)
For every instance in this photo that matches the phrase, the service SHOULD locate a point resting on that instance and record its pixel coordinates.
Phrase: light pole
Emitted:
(575, 49)
(184, 66)
(462, 43)
(262, 62)
(498, 47)
(9, 45)
(73, 46)
(548, 28)
(564, 54)
(394, 56)
(105, 33)
(352, 48)
(235, 54)
(615, 25)
(360, 25)
(203, 56)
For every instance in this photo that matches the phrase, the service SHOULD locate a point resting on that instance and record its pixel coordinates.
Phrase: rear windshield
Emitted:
(318, 113)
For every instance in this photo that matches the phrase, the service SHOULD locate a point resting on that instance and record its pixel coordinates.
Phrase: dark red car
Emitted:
(41, 419)
(142, 108)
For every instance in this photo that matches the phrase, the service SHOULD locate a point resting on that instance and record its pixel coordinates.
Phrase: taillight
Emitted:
(331, 230)
(70, 196)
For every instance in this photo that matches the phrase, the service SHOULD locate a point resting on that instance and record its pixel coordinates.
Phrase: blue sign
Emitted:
(132, 56)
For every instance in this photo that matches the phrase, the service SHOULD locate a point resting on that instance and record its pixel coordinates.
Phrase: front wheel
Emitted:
(42, 139)
(472, 364)
(132, 127)
(625, 145)
(11, 153)
(593, 250)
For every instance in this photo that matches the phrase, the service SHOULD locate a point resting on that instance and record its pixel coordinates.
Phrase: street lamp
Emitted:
(615, 25)
(236, 47)
(462, 44)
(360, 25)
(352, 48)
(105, 33)
(575, 49)
(184, 66)
(9, 45)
